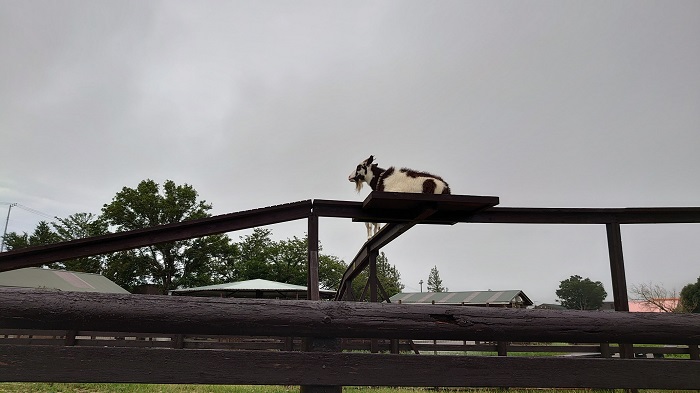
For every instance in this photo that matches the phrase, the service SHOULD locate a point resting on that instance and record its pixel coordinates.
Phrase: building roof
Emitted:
(257, 288)
(468, 298)
(62, 280)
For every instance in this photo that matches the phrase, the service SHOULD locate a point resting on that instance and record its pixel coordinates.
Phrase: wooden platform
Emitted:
(400, 207)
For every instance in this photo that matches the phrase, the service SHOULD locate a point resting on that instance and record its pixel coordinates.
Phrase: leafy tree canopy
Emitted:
(169, 265)
(189, 263)
(581, 294)
(388, 275)
(690, 297)
(42, 235)
(76, 226)
(257, 255)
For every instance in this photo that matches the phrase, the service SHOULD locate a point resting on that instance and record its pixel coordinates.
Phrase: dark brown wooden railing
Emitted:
(325, 320)
(323, 325)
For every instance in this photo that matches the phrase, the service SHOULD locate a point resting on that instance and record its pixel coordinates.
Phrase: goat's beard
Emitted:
(358, 185)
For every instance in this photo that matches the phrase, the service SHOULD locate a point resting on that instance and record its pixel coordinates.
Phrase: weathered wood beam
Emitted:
(519, 215)
(37, 309)
(36, 256)
(515, 215)
(312, 284)
(191, 366)
(388, 233)
(617, 267)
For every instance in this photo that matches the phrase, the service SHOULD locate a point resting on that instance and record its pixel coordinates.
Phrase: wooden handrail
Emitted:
(37, 309)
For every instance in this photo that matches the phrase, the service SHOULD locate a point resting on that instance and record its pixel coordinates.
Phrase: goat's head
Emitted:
(359, 175)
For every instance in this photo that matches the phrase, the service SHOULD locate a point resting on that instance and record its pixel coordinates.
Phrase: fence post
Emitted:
(312, 292)
(317, 344)
(373, 297)
(619, 282)
(502, 347)
(70, 338)
(179, 341)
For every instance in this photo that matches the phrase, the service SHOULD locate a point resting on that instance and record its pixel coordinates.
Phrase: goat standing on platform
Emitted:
(392, 180)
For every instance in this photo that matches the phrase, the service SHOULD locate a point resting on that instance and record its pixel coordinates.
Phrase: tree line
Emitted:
(188, 263)
(217, 259)
(580, 293)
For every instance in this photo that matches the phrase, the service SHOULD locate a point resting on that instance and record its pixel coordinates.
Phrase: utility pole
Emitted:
(7, 220)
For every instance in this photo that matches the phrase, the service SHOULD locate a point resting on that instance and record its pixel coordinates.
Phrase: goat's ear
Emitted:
(369, 160)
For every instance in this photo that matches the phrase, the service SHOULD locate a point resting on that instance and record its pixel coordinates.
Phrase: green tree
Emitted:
(169, 265)
(330, 271)
(388, 275)
(434, 281)
(78, 226)
(578, 293)
(42, 235)
(690, 297)
(259, 256)
(256, 255)
(75, 226)
(128, 269)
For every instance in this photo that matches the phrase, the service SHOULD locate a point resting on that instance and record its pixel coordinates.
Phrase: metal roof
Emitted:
(468, 298)
(62, 280)
(252, 288)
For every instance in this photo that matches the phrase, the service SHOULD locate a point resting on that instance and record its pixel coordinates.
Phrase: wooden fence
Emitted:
(322, 366)
(266, 343)
(323, 323)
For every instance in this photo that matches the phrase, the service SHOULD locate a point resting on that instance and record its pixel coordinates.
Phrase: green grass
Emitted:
(142, 388)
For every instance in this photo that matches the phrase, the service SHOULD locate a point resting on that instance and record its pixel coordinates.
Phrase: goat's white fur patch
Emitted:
(400, 182)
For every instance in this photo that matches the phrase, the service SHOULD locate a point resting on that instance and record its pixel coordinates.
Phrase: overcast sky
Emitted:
(543, 104)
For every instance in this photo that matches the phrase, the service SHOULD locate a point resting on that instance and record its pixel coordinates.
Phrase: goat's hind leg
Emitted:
(372, 228)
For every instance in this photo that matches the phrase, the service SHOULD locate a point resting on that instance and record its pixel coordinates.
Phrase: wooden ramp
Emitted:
(402, 211)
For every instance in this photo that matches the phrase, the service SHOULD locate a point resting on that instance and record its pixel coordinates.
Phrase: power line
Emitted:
(29, 209)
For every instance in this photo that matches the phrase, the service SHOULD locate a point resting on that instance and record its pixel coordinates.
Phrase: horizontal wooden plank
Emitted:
(117, 365)
(519, 215)
(417, 202)
(651, 215)
(36, 309)
(450, 214)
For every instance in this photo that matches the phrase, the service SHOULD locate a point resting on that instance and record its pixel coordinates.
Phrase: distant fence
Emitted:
(324, 323)
(454, 347)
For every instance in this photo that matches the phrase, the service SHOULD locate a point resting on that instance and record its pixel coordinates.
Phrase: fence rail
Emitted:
(151, 340)
(37, 309)
(324, 320)
(144, 365)
(174, 359)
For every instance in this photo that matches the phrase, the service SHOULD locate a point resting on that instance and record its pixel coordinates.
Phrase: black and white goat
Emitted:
(393, 180)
